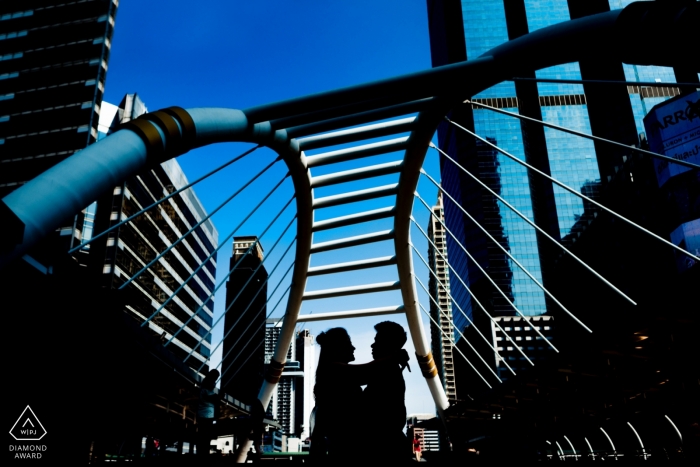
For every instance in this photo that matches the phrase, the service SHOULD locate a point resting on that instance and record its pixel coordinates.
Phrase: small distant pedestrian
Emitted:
(206, 412)
(417, 450)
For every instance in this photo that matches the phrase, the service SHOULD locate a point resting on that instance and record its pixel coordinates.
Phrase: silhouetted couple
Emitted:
(348, 418)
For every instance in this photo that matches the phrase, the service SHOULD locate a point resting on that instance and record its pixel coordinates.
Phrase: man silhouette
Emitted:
(383, 398)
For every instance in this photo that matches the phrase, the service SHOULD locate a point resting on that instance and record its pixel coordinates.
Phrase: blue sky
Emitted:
(238, 54)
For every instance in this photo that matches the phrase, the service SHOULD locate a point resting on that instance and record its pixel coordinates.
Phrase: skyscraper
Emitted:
(292, 401)
(463, 30)
(442, 334)
(120, 255)
(53, 65)
(244, 325)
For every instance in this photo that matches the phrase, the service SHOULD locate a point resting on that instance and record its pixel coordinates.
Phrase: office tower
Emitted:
(53, 65)
(281, 406)
(244, 324)
(463, 30)
(441, 335)
(120, 255)
(292, 399)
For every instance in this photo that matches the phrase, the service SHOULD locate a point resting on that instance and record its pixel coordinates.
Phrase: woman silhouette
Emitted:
(338, 393)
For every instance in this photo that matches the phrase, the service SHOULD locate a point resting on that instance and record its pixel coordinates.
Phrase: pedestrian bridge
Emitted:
(376, 133)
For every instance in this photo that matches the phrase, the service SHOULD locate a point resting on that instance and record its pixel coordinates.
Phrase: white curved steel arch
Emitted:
(68, 187)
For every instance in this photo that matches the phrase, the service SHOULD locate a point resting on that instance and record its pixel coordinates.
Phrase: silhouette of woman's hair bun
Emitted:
(332, 336)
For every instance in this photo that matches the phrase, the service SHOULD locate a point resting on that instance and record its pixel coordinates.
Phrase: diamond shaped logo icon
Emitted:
(28, 427)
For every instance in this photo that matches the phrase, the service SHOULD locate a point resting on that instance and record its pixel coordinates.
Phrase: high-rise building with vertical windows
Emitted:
(442, 327)
(53, 65)
(187, 316)
(464, 30)
(292, 399)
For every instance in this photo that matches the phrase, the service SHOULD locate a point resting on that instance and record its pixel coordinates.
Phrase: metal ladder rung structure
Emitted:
(356, 240)
(350, 219)
(376, 130)
(357, 174)
(296, 125)
(352, 290)
(352, 266)
(385, 310)
(353, 196)
(358, 152)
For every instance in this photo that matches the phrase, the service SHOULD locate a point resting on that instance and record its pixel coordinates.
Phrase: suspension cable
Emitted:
(523, 268)
(488, 277)
(583, 135)
(134, 216)
(454, 346)
(223, 243)
(260, 288)
(574, 192)
(471, 294)
(240, 292)
(244, 362)
(182, 237)
(540, 230)
(242, 333)
(447, 317)
(517, 310)
(607, 81)
(250, 354)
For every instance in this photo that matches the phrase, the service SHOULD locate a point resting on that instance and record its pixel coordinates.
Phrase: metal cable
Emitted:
(584, 135)
(134, 216)
(447, 317)
(221, 244)
(471, 294)
(574, 192)
(524, 217)
(512, 258)
(244, 285)
(248, 327)
(455, 347)
(182, 237)
(517, 310)
(260, 288)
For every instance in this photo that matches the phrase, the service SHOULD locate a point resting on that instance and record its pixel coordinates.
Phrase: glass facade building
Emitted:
(464, 30)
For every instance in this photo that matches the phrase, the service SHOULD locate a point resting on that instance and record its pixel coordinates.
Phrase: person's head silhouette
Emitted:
(336, 346)
(390, 338)
(210, 380)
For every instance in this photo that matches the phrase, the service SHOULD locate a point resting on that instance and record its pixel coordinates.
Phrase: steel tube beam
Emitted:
(357, 174)
(360, 195)
(352, 241)
(352, 266)
(350, 219)
(417, 148)
(352, 290)
(357, 152)
(387, 310)
(355, 134)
